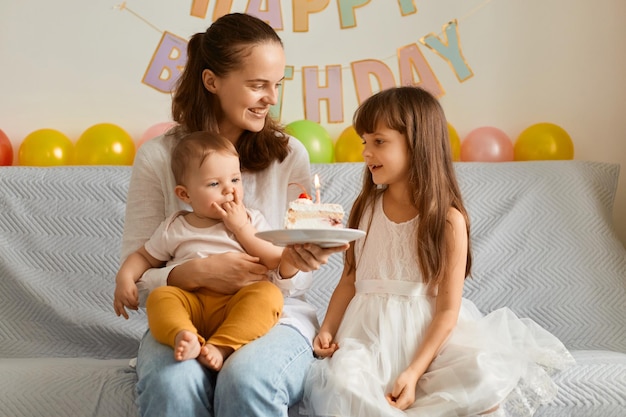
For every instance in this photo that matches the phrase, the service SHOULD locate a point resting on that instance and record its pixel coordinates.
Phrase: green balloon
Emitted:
(315, 139)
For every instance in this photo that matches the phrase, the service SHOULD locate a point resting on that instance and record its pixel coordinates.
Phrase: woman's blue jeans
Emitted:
(263, 378)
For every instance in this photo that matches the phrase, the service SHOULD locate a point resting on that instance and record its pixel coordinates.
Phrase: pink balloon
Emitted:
(487, 144)
(154, 131)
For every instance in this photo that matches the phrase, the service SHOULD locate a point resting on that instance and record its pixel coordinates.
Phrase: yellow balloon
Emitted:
(105, 144)
(455, 143)
(543, 141)
(45, 147)
(349, 146)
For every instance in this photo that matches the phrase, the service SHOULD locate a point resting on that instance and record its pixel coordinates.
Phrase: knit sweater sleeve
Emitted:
(150, 200)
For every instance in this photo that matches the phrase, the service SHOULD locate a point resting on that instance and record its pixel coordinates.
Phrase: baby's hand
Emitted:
(126, 295)
(323, 345)
(234, 214)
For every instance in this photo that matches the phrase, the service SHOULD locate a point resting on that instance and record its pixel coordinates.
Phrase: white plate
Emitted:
(326, 238)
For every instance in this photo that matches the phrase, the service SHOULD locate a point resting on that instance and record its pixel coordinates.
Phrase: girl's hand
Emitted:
(309, 257)
(403, 393)
(323, 345)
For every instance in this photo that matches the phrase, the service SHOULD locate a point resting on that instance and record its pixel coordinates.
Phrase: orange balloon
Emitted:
(105, 144)
(45, 147)
(455, 143)
(6, 150)
(349, 146)
(544, 141)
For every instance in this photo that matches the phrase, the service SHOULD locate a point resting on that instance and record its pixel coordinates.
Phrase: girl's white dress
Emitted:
(497, 359)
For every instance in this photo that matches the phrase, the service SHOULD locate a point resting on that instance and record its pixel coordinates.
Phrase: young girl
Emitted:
(398, 338)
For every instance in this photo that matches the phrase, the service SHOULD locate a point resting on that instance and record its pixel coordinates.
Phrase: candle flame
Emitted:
(316, 181)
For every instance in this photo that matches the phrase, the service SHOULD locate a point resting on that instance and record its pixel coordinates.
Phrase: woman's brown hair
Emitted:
(418, 116)
(223, 48)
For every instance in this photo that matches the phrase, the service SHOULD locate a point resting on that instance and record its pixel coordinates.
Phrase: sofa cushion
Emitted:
(47, 387)
(595, 386)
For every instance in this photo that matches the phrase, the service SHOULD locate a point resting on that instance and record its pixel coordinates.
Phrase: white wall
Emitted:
(69, 64)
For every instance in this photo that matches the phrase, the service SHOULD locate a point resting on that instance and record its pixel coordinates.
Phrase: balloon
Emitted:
(154, 131)
(349, 146)
(6, 150)
(543, 141)
(455, 143)
(105, 144)
(315, 139)
(45, 147)
(487, 144)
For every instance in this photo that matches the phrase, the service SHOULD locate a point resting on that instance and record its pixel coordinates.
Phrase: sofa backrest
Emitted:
(60, 231)
(543, 244)
(542, 236)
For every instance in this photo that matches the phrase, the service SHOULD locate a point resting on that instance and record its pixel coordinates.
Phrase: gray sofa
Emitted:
(543, 245)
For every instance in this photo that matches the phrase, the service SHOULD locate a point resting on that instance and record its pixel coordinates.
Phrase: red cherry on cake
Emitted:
(303, 194)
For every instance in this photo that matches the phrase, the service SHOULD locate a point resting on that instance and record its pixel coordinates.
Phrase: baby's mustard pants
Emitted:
(218, 319)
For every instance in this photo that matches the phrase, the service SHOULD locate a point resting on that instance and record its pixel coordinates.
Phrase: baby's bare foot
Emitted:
(213, 357)
(187, 346)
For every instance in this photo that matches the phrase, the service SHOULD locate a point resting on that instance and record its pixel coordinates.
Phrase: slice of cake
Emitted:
(305, 214)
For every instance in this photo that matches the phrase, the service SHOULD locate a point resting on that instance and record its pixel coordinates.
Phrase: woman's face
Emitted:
(247, 93)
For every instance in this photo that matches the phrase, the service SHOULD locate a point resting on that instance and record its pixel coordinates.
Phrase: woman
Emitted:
(230, 81)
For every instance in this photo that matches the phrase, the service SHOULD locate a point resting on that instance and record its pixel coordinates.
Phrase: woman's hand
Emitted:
(224, 273)
(309, 257)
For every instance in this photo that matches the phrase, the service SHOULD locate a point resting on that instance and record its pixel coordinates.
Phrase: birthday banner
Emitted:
(369, 75)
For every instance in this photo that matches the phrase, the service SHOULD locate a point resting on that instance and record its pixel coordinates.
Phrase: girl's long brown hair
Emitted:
(223, 48)
(417, 115)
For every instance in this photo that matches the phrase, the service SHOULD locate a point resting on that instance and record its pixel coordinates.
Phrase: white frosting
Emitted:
(304, 214)
(306, 205)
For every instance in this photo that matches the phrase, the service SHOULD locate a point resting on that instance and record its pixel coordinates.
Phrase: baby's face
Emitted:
(215, 181)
